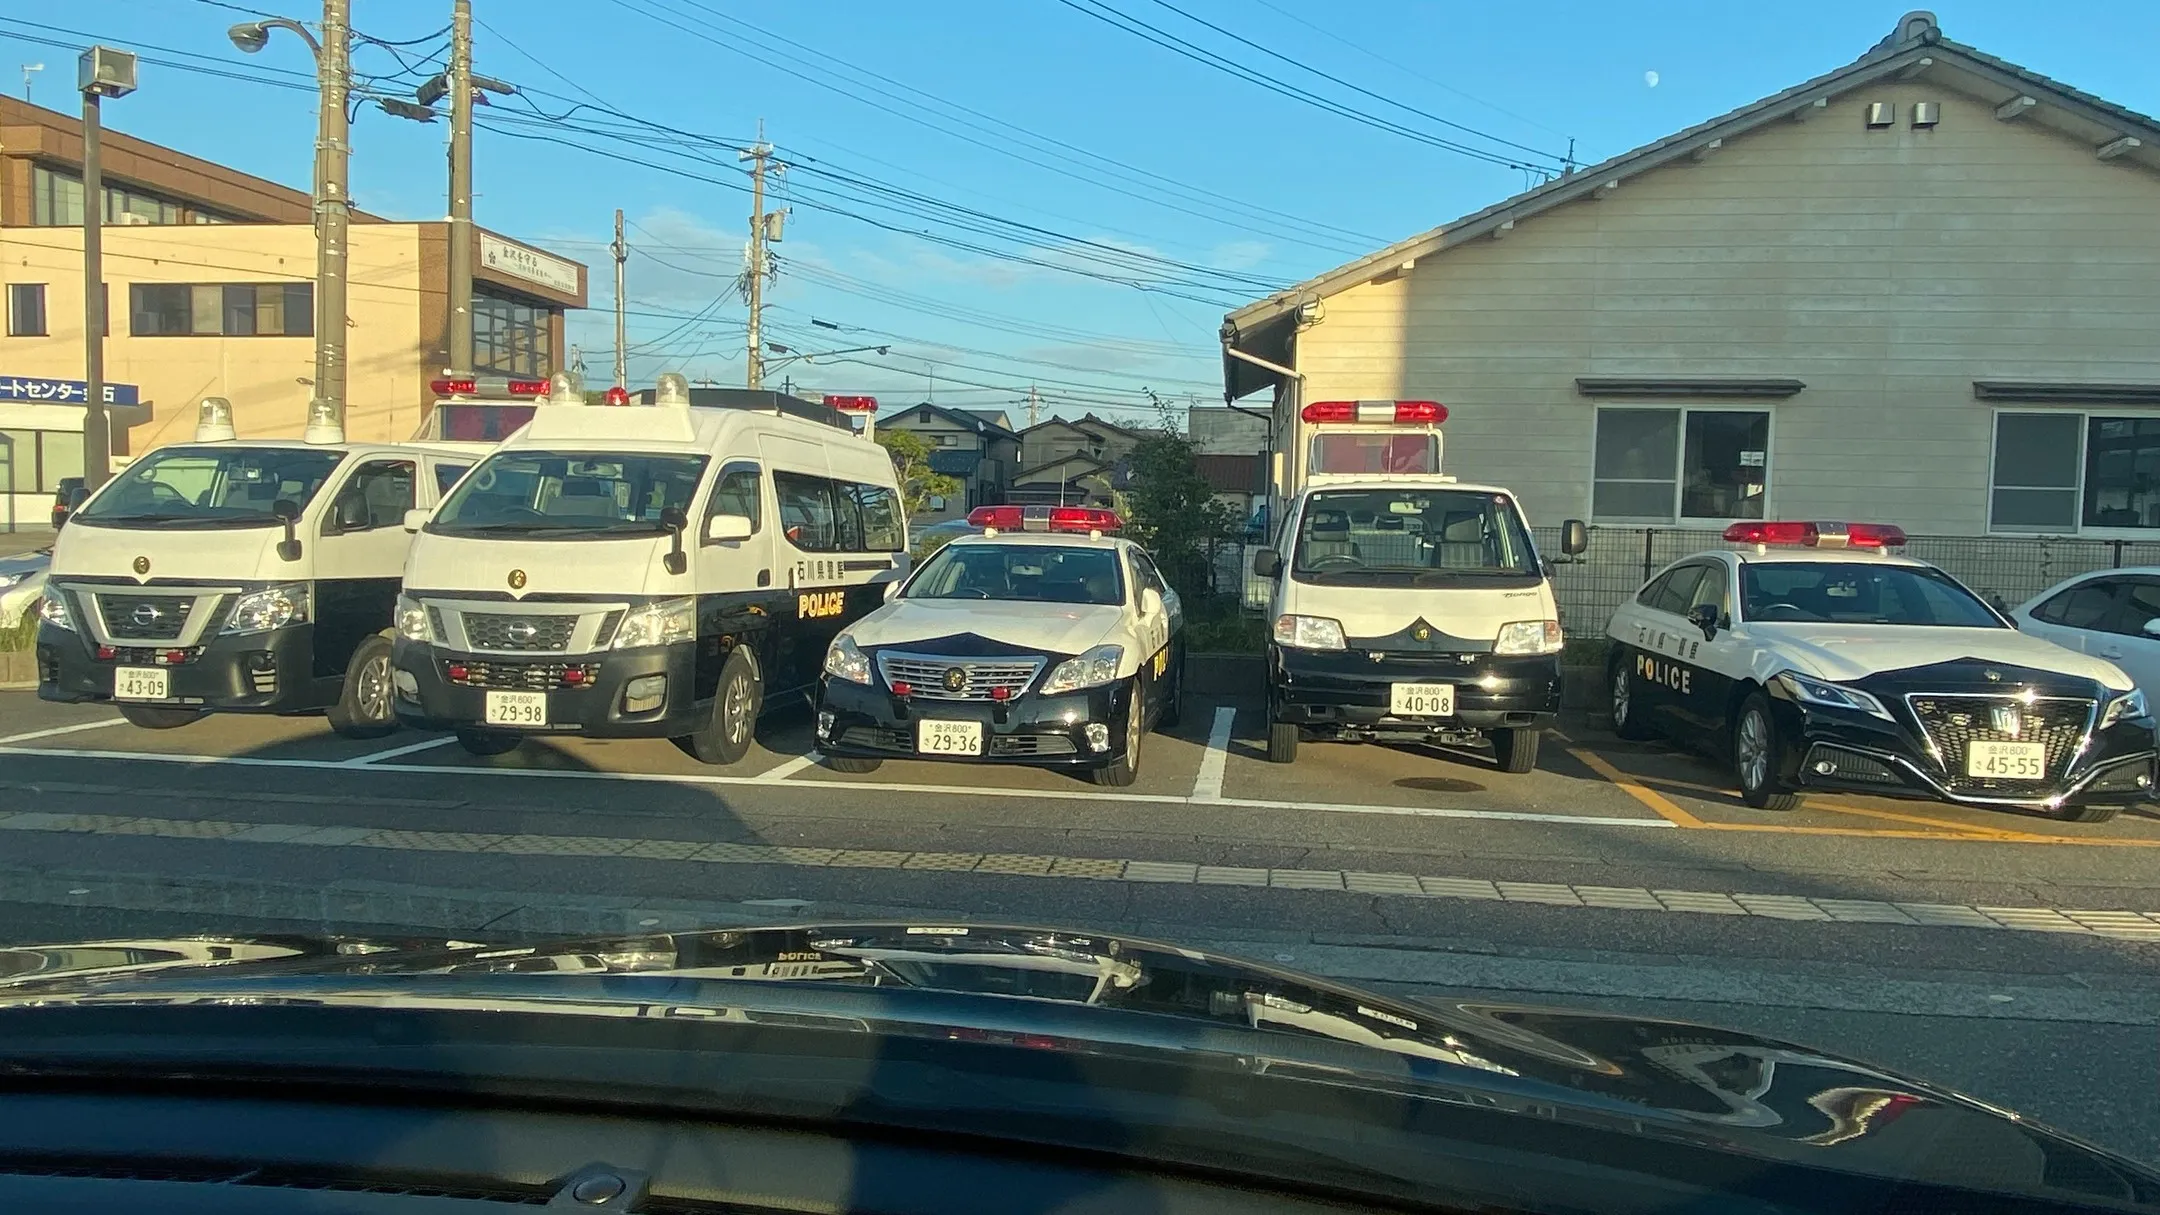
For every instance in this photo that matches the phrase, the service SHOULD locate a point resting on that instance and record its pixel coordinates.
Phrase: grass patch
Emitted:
(22, 636)
(1233, 633)
(1585, 652)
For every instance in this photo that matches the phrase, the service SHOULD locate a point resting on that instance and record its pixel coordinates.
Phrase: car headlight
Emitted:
(1097, 666)
(1811, 691)
(412, 620)
(53, 610)
(664, 623)
(8, 580)
(272, 607)
(1308, 632)
(1528, 637)
(2127, 707)
(845, 660)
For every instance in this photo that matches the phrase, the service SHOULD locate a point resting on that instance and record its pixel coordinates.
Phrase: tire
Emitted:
(1756, 755)
(2084, 814)
(1173, 707)
(1127, 768)
(151, 717)
(1282, 741)
(487, 743)
(1626, 716)
(727, 734)
(1517, 749)
(365, 708)
(853, 765)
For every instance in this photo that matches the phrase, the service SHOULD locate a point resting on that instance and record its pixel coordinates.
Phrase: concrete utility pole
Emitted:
(461, 229)
(1034, 402)
(755, 291)
(333, 213)
(622, 350)
(101, 72)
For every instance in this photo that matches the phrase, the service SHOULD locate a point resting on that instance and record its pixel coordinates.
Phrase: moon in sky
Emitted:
(1650, 78)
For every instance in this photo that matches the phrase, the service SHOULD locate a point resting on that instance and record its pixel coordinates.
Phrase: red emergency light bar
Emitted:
(471, 386)
(1045, 519)
(852, 404)
(615, 396)
(1401, 413)
(1786, 533)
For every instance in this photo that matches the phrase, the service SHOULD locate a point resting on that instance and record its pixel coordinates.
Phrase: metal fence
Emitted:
(2006, 569)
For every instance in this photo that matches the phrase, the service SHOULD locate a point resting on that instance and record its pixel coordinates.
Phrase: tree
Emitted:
(911, 460)
(1174, 513)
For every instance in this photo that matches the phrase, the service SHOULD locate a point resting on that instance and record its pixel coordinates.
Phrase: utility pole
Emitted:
(461, 229)
(758, 154)
(333, 212)
(1034, 402)
(26, 70)
(97, 429)
(622, 350)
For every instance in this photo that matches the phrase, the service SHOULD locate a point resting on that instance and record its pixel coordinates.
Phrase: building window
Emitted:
(56, 200)
(512, 337)
(2065, 472)
(1668, 465)
(34, 461)
(26, 310)
(221, 309)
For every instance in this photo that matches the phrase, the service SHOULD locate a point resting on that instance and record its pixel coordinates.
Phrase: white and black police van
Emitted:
(655, 570)
(1407, 606)
(1818, 660)
(231, 575)
(1047, 640)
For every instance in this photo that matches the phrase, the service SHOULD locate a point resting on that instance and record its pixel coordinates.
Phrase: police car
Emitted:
(1045, 640)
(1821, 661)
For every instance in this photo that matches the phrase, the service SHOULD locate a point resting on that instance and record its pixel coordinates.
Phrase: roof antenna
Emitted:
(1567, 165)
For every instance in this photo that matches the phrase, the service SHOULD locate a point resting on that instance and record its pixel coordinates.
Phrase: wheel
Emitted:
(1282, 741)
(1626, 719)
(2084, 814)
(727, 734)
(1756, 750)
(1516, 749)
(1127, 768)
(150, 717)
(1173, 706)
(852, 765)
(485, 743)
(363, 708)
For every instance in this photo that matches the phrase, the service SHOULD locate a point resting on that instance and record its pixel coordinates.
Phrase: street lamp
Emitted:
(811, 356)
(101, 72)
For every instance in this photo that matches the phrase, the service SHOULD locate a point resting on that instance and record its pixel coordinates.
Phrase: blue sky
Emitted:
(1023, 111)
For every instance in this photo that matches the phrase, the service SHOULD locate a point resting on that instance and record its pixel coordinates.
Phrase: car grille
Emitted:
(144, 617)
(1851, 765)
(979, 678)
(1031, 744)
(522, 676)
(877, 738)
(1954, 722)
(519, 634)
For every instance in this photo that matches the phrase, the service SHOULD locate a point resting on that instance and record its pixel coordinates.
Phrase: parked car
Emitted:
(2109, 614)
(66, 497)
(22, 584)
(930, 538)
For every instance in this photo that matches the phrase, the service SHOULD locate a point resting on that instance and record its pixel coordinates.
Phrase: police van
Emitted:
(240, 576)
(656, 570)
(1816, 659)
(1407, 606)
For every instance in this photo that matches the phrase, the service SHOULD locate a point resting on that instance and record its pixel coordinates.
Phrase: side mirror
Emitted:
(722, 528)
(2152, 627)
(1151, 601)
(1267, 563)
(1574, 537)
(1704, 616)
(417, 518)
(892, 590)
(351, 514)
(287, 512)
(676, 522)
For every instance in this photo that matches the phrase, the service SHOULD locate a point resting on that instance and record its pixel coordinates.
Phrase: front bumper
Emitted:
(438, 689)
(270, 672)
(1854, 752)
(859, 721)
(1347, 692)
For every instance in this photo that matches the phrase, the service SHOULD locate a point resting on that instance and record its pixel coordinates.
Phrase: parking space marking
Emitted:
(1659, 804)
(81, 725)
(774, 775)
(1207, 785)
(2119, 924)
(1823, 803)
(399, 752)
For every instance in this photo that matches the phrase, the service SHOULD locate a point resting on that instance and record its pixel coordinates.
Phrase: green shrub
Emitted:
(22, 636)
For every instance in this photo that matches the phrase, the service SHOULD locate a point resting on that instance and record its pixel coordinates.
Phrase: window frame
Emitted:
(289, 289)
(352, 479)
(861, 491)
(1686, 567)
(2077, 526)
(1679, 479)
(44, 318)
(757, 497)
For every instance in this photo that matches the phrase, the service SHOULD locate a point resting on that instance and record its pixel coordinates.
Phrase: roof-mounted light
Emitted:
(1784, 533)
(615, 395)
(213, 420)
(487, 387)
(995, 519)
(564, 389)
(324, 423)
(1397, 413)
(852, 404)
(672, 391)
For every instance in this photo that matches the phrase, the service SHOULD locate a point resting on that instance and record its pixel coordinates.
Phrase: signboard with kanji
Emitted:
(62, 392)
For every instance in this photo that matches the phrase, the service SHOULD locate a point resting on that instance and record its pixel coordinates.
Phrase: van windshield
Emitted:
(1412, 537)
(211, 487)
(569, 495)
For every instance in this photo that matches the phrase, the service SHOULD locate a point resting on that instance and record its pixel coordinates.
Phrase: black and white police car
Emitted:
(1046, 640)
(1821, 661)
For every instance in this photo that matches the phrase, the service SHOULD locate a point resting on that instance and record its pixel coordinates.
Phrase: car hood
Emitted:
(1095, 991)
(1851, 652)
(26, 563)
(1058, 628)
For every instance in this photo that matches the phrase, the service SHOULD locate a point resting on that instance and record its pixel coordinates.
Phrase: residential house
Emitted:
(976, 449)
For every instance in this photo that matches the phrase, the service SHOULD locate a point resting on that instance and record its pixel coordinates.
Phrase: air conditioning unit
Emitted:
(128, 219)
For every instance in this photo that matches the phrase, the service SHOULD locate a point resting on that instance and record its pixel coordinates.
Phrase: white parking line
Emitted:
(81, 725)
(790, 768)
(700, 779)
(396, 752)
(1207, 786)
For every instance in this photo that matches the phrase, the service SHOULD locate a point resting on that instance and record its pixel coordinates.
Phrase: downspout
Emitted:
(1278, 479)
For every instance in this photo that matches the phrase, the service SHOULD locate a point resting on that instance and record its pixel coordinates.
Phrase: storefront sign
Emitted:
(531, 265)
(61, 392)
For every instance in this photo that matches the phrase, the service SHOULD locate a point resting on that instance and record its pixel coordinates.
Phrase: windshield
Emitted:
(1039, 573)
(565, 495)
(1847, 592)
(211, 487)
(1403, 537)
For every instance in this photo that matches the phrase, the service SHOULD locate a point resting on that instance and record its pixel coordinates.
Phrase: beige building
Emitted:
(973, 446)
(209, 287)
(1923, 288)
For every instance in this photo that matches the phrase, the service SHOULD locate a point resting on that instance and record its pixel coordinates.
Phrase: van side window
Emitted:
(736, 493)
(446, 476)
(882, 529)
(378, 495)
(849, 513)
(806, 512)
